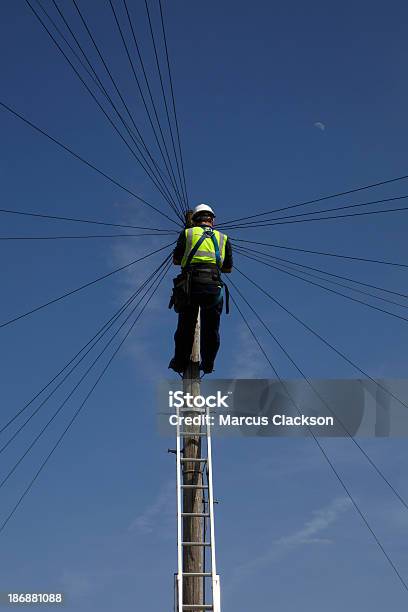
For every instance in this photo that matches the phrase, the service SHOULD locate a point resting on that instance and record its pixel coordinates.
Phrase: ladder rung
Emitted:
(196, 543)
(194, 486)
(200, 410)
(195, 514)
(185, 459)
(198, 607)
(198, 574)
(192, 433)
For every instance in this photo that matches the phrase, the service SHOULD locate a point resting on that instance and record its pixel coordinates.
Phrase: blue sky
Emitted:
(251, 82)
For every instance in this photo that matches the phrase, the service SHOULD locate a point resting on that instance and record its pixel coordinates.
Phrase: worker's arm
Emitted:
(228, 262)
(178, 252)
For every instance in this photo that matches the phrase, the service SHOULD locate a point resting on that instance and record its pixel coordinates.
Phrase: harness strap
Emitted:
(195, 249)
(210, 234)
(217, 250)
(227, 298)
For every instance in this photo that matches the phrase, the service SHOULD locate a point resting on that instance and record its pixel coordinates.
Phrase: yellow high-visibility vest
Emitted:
(206, 250)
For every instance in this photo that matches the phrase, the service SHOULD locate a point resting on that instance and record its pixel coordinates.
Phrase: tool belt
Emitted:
(181, 295)
(182, 285)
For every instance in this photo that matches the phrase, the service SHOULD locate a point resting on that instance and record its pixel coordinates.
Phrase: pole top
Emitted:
(189, 219)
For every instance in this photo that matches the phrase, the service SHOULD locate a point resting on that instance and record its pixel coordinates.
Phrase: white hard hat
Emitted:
(203, 208)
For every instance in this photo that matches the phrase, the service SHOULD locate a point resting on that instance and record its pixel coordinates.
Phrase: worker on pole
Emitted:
(203, 254)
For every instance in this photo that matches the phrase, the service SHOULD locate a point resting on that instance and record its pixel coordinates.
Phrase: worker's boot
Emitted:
(207, 368)
(177, 366)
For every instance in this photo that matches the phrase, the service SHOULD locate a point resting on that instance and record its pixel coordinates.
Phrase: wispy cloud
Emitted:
(159, 515)
(320, 126)
(321, 520)
(249, 362)
(123, 251)
(79, 584)
(308, 534)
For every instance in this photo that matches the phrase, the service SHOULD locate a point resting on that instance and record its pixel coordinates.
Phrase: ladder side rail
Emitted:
(215, 577)
(179, 518)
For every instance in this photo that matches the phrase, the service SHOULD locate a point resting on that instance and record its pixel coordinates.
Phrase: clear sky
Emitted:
(278, 103)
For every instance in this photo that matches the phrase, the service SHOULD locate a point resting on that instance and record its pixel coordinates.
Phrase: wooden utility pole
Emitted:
(193, 498)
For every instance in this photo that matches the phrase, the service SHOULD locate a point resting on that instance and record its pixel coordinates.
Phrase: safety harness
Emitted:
(207, 233)
(182, 283)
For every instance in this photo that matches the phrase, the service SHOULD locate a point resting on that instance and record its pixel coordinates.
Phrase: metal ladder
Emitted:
(207, 516)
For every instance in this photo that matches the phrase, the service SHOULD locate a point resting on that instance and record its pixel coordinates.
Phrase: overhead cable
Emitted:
(81, 287)
(76, 386)
(173, 100)
(328, 197)
(148, 171)
(108, 71)
(76, 414)
(76, 220)
(95, 77)
(83, 160)
(334, 291)
(325, 254)
(262, 259)
(164, 97)
(79, 237)
(168, 166)
(347, 278)
(329, 217)
(321, 338)
(327, 458)
(96, 337)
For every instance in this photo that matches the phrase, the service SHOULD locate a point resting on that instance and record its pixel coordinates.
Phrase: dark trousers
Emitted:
(210, 313)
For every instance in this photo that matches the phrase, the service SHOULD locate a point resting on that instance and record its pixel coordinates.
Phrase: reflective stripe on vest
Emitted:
(206, 250)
